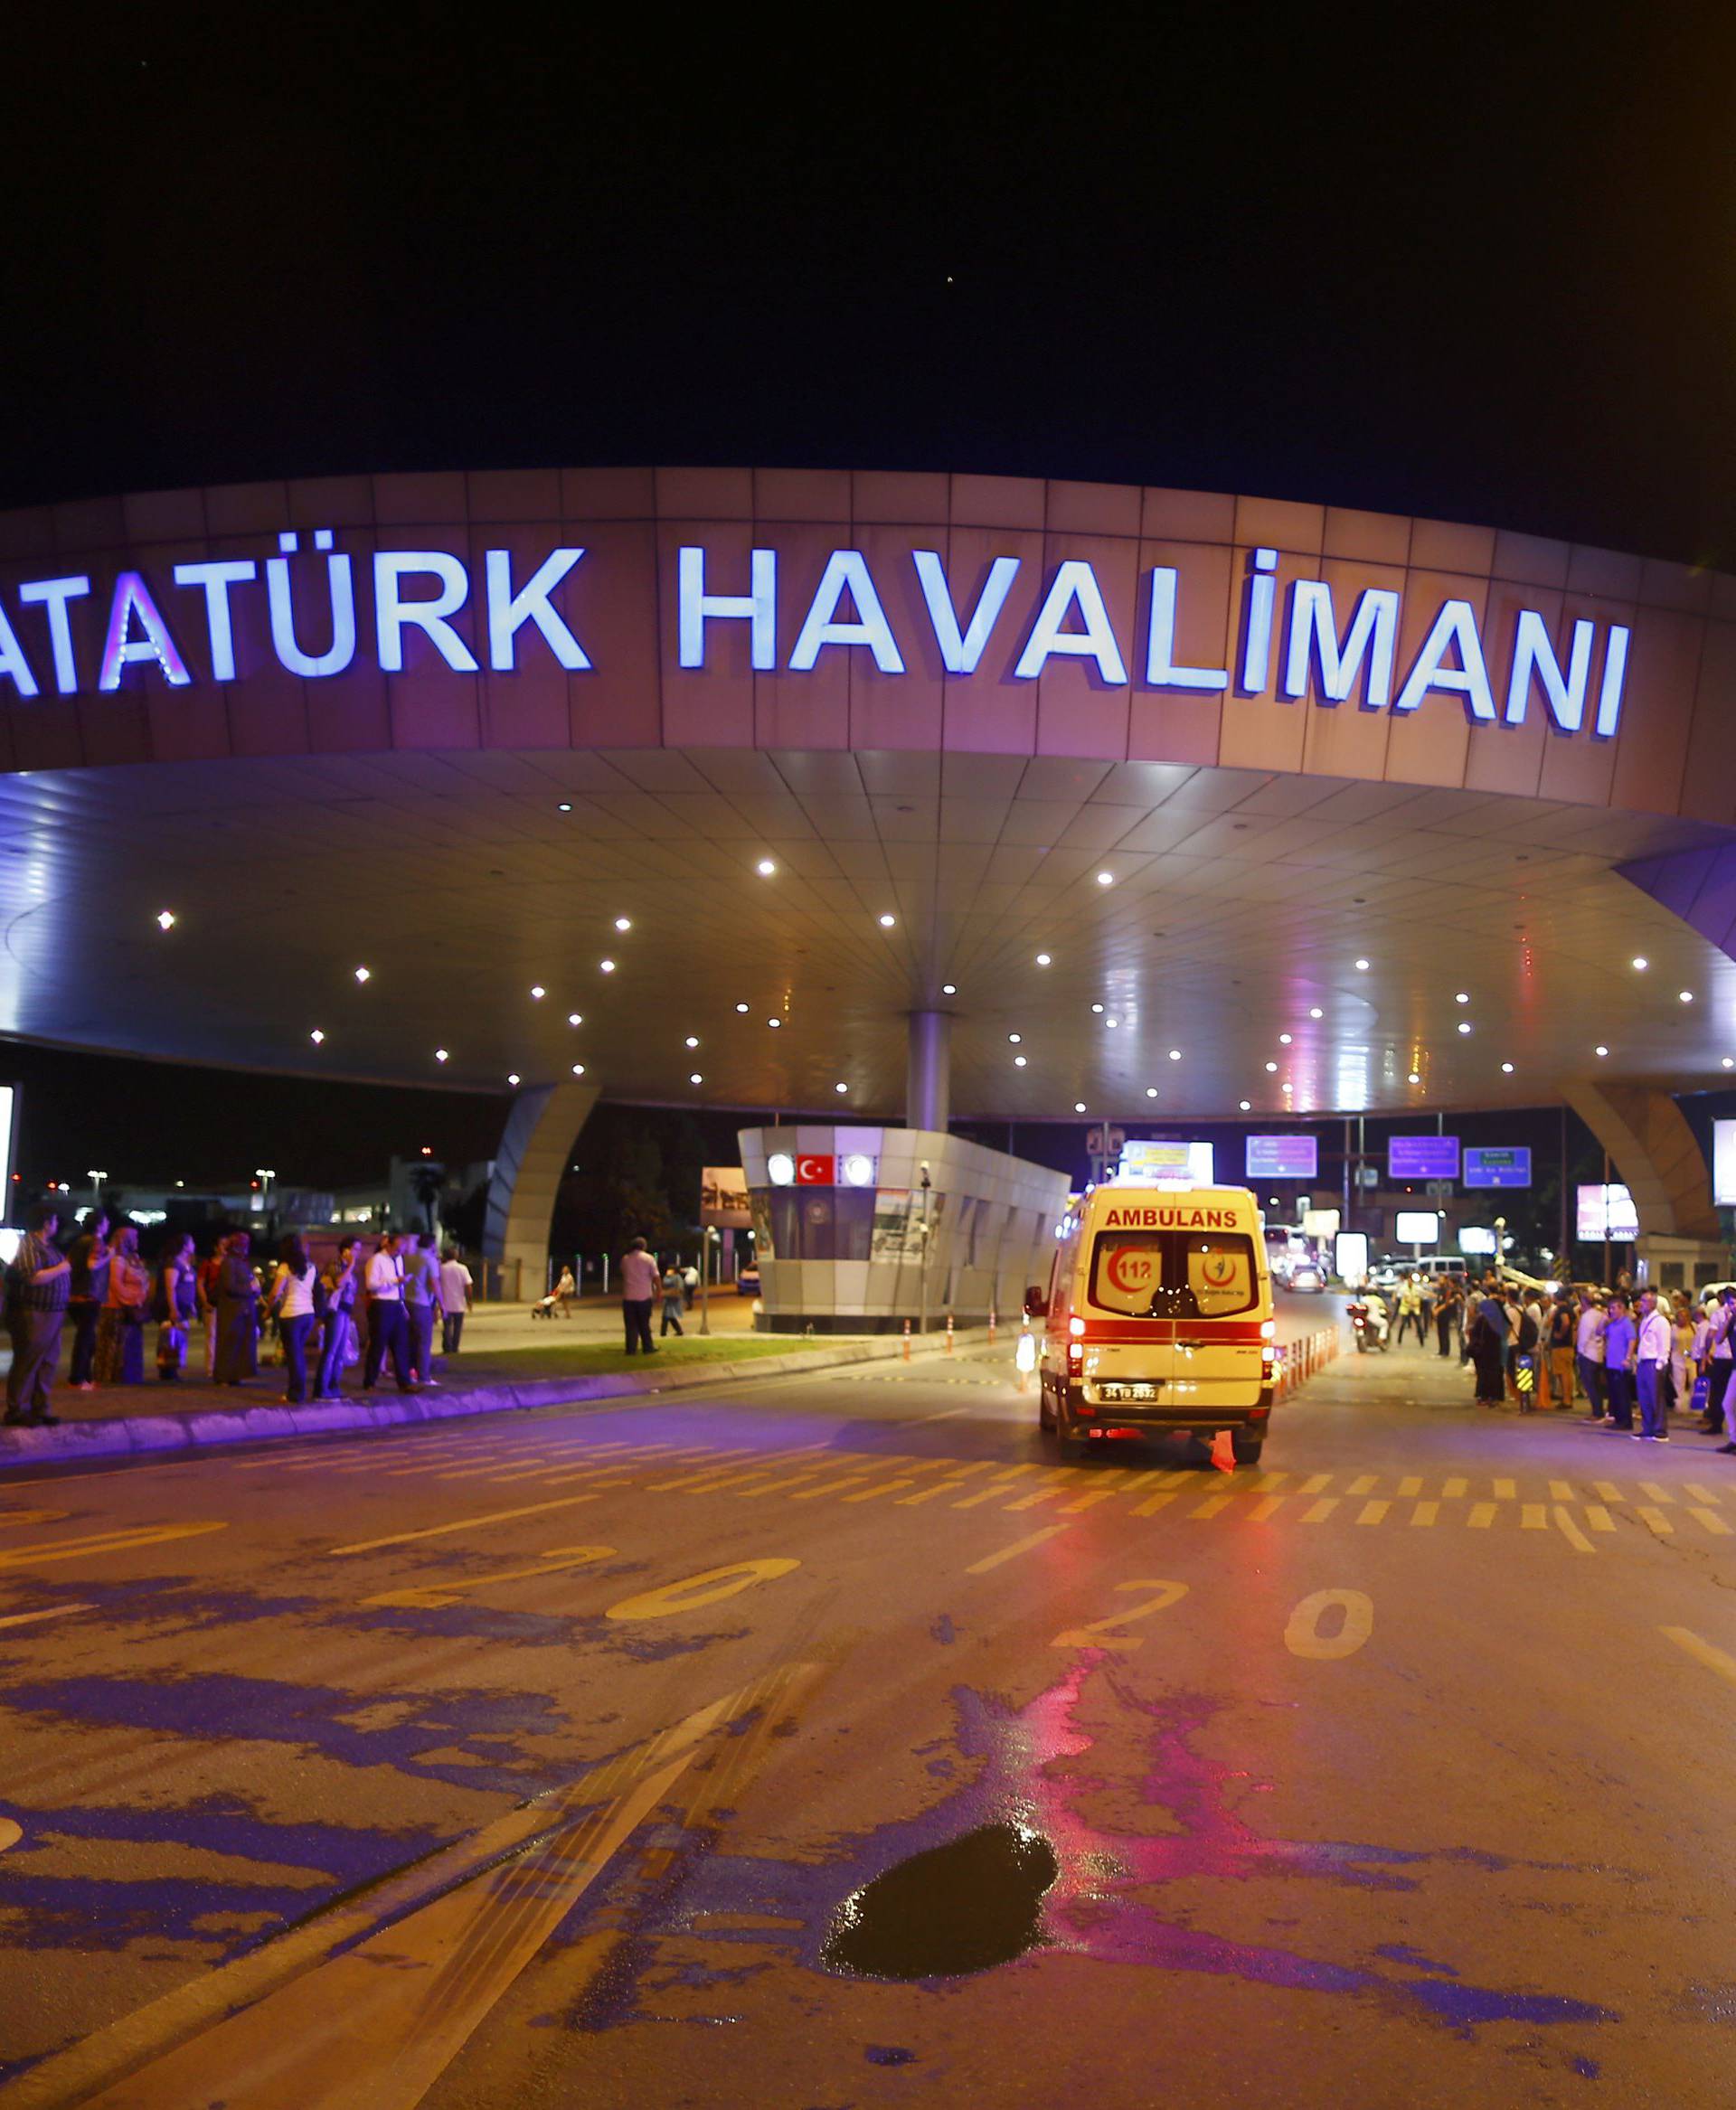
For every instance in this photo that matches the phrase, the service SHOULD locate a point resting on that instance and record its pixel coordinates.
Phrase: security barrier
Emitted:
(1304, 1357)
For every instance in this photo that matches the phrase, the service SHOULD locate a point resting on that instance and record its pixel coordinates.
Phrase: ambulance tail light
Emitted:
(1268, 1330)
(1075, 1327)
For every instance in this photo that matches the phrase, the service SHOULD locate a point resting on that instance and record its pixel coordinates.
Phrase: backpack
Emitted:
(1527, 1334)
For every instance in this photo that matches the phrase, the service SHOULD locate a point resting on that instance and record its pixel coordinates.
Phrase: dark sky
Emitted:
(1475, 263)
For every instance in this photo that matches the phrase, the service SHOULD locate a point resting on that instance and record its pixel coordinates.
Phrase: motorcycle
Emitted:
(1369, 1325)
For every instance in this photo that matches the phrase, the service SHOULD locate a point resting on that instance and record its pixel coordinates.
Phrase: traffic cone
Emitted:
(907, 1340)
(1223, 1452)
(991, 1325)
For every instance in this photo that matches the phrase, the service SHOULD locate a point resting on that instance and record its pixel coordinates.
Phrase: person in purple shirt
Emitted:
(1618, 1364)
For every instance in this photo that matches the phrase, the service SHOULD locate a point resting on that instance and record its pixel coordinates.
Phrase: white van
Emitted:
(1159, 1318)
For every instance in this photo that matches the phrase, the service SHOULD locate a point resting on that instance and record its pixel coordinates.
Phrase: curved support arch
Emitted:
(526, 1177)
(1653, 1148)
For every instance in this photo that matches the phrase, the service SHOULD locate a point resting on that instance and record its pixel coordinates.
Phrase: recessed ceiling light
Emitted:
(765, 868)
(578, 1069)
(365, 973)
(1463, 996)
(1043, 960)
(1018, 1062)
(575, 1018)
(1361, 966)
(605, 967)
(511, 1077)
(1079, 1105)
(694, 1078)
(1174, 1054)
(166, 919)
(886, 922)
(1111, 1024)
(1464, 1025)
(1284, 1039)
(623, 923)
(316, 1037)
(774, 1021)
(1600, 1049)
(741, 1007)
(1415, 1077)
(565, 806)
(440, 1054)
(1271, 1068)
(1315, 1012)
(1641, 962)
(949, 989)
(1151, 1091)
(692, 1040)
(1106, 879)
(1685, 996)
(1247, 1106)
(1730, 1062)
(537, 990)
(1506, 1069)
(1097, 1007)
(1014, 1038)
(840, 1088)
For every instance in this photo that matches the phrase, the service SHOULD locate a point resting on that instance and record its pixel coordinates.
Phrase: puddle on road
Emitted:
(966, 1906)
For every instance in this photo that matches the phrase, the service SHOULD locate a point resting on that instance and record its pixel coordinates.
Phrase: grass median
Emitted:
(600, 1360)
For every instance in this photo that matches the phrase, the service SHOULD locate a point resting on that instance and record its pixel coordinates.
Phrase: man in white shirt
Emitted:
(1720, 1393)
(1588, 1349)
(1652, 1357)
(387, 1325)
(641, 1283)
(456, 1284)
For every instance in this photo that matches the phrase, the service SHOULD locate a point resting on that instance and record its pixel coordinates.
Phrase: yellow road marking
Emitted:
(788, 1480)
(1654, 1518)
(1703, 1652)
(1560, 1491)
(1268, 1505)
(1699, 1493)
(100, 1542)
(1481, 1517)
(925, 1493)
(1606, 1491)
(1572, 1533)
(1454, 1490)
(1273, 1479)
(1654, 1493)
(1316, 1484)
(692, 1592)
(1303, 1638)
(1019, 1546)
(1321, 1510)
(1713, 1522)
(878, 1489)
(1363, 1483)
(1506, 1491)
(1088, 1500)
(1212, 1506)
(430, 1596)
(982, 1495)
(1424, 1513)
(32, 1516)
(1371, 1512)
(1153, 1503)
(53, 1612)
(1533, 1517)
(498, 1516)
(1599, 1518)
(1031, 1501)
(830, 1487)
(1410, 1488)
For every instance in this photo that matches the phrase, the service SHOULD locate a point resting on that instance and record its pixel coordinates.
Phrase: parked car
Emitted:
(1309, 1277)
(748, 1282)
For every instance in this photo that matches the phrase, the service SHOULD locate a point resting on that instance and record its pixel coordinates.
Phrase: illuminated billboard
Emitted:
(1606, 1212)
(1167, 1164)
(1419, 1226)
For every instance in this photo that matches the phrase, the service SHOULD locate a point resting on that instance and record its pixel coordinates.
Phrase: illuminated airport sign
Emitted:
(1422, 1157)
(1167, 1164)
(1419, 1226)
(1282, 1157)
(317, 609)
(1606, 1212)
(1724, 1164)
(1499, 1168)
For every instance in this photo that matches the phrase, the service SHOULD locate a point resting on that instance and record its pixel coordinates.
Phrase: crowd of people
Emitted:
(369, 1310)
(1633, 1356)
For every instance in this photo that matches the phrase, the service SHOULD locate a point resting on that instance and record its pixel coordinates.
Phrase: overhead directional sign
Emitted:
(1509, 1167)
(1282, 1157)
(1422, 1157)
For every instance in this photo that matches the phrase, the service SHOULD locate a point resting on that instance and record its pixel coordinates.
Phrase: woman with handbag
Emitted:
(173, 1303)
(120, 1331)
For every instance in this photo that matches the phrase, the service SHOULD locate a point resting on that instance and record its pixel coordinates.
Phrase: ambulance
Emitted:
(1159, 1318)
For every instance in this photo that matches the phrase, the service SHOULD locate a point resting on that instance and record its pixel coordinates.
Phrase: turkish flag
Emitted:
(815, 1172)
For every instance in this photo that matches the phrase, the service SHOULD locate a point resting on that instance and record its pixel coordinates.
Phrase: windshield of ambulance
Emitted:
(1172, 1273)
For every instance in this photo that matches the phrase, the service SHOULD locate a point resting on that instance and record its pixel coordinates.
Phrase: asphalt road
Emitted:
(828, 1744)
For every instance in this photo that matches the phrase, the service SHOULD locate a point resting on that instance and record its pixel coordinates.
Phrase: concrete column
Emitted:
(1654, 1154)
(927, 1083)
(528, 1169)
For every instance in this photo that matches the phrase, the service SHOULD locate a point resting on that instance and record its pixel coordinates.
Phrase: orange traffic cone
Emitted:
(1223, 1452)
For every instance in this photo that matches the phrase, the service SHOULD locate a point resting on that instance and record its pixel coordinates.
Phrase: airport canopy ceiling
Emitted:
(1183, 804)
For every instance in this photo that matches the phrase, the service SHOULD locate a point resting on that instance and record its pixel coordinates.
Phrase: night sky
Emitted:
(1470, 264)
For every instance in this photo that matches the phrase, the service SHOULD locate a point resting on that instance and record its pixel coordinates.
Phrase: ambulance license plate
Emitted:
(1127, 1391)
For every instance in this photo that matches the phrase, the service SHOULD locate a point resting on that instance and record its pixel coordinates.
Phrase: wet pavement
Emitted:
(830, 1743)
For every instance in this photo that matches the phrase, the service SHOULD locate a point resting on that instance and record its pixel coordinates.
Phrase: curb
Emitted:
(129, 1435)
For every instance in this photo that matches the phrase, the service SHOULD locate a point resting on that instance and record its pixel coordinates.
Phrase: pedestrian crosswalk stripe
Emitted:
(1559, 1491)
(1534, 1517)
(1482, 1516)
(1268, 1505)
(1424, 1513)
(1373, 1511)
(1599, 1518)
(1654, 1493)
(1714, 1523)
(1364, 1484)
(1153, 1503)
(1410, 1488)
(1455, 1489)
(1316, 1484)
(1655, 1517)
(1572, 1533)
(1212, 1506)
(1506, 1491)
(1606, 1491)
(1322, 1509)
(1699, 1493)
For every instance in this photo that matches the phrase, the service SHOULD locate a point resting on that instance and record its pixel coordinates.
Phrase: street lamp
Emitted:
(265, 1175)
(96, 1180)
